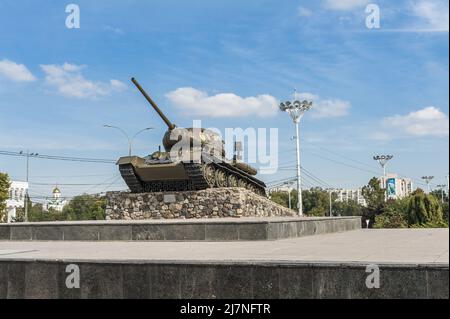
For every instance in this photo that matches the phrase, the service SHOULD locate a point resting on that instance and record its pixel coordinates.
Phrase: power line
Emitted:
(109, 185)
(60, 158)
(344, 164)
(345, 157)
(315, 178)
(70, 176)
(416, 180)
(67, 184)
(104, 182)
(282, 180)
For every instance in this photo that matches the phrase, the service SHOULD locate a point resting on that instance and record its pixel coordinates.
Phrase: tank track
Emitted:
(195, 173)
(137, 186)
(131, 179)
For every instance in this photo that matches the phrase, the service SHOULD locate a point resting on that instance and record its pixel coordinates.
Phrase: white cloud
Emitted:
(118, 85)
(114, 30)
(69, 81)
(345, 5)
(327, 108)
(307, 96)
(429, 121)
(433, 13)
(15, 72)
(331, 108)
(304, 12)
(222, 105)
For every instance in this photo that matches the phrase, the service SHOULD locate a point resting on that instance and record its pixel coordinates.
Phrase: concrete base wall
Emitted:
(241, 229)
(208, 280)
(216, 202)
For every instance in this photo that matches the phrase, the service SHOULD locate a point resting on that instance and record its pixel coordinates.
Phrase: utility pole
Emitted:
(448, 192)
(330, 191)
(296, 110)
(383, 160)
(288, 184)
(442, 187)
(427, 180)
(28, 155)
(289, 196)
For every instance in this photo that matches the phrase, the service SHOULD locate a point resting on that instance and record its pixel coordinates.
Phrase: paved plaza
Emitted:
(400, 246)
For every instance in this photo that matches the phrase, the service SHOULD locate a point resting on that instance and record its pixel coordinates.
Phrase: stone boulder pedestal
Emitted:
(209, 203)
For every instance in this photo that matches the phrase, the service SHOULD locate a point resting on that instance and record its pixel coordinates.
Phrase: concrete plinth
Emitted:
(219, 229)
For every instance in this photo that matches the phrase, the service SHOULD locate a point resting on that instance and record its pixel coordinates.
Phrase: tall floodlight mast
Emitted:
(383, 160)
(427, 180)
(296, 109)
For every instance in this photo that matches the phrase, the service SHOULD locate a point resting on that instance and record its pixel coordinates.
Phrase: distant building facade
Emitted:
(396, 187)
(16, 199)
(345, 195)
(284, 189)
(57, 202)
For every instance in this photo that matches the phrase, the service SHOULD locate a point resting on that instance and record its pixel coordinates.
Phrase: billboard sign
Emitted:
(391, 187)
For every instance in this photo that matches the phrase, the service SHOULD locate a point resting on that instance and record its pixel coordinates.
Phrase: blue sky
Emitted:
(374, 91)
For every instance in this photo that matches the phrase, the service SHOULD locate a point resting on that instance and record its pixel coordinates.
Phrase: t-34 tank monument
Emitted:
(191, 178)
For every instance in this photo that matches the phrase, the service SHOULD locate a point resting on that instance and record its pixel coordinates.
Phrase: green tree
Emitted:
(85, 207)
(316, 202)
(281, 198)
(4, 195)
(348, 208)
(424, 209)
(37, 213)
(395, 215)
(445, 212)
(375, 199)
(440, 194)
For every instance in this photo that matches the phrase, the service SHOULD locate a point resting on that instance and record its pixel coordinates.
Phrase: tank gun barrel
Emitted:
(169, 124)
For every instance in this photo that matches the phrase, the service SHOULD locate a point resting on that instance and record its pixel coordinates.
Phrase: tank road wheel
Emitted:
(210, 175)
(242, 183)
(262, 192)
(232, 181)
(251, 188)
(221, 178)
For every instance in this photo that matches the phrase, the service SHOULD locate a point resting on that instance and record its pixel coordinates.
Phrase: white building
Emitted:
(344, 195)
(396, 187)
(56, 202)
(17, 195)
(285, 189)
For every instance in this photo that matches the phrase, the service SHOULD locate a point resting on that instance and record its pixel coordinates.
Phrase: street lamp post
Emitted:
(296, 110)
(427, 180)
(447, 187)
(130, 140)
(289, 196)
(27, 155)
(382, 160)
(330, 191)
(288, 184)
